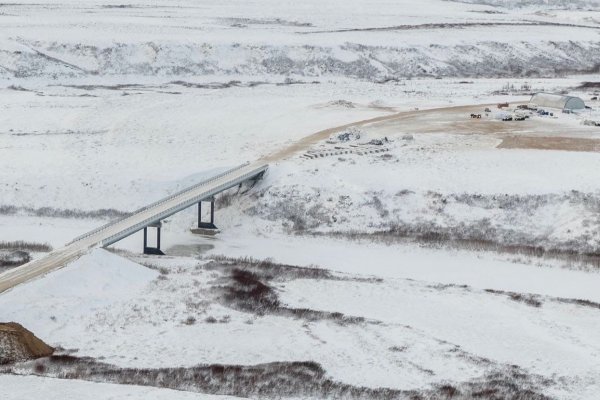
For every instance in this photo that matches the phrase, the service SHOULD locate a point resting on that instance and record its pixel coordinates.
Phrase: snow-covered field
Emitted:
(53, 389)
(434, 260)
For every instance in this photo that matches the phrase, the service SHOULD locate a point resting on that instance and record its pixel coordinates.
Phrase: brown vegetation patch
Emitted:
(14, 254)
(247, 285)
(269, 270)
(448, 238)
(450, 25)
(580, 302)
(589, 85)
(533, 300)
(51, 212)
(26, 246)
(9, 259)
(304, 379)
(246, 292)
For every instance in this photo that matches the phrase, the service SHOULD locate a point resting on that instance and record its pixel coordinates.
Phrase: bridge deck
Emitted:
(115, 231)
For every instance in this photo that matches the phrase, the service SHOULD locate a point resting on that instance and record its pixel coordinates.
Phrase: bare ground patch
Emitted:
(550, 143)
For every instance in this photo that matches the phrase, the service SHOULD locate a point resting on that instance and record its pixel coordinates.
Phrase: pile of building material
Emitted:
(353, 149)
(19, 344)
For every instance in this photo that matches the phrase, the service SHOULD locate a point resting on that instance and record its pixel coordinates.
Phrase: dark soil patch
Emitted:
(550, 143)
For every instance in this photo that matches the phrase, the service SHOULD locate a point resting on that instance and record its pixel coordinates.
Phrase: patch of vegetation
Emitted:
(14, 254)
(50, 212)
(247, 285)
(25, 246)
(295, 379)
(246, 292)
(13, 258)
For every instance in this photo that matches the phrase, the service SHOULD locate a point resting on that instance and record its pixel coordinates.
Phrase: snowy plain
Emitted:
(107, 107)
(30, 387)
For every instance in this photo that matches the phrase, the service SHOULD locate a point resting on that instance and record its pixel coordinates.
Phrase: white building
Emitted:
(558, 101)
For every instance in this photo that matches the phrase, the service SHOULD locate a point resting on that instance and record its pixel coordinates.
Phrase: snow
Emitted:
(477, 269)
(57, 40)
(95, 281)
(113, 108)
(101, 297)
(22, 387)
(541, 340)
(435, 325)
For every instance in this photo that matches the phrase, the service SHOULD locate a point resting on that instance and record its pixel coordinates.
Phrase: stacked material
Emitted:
(19, 344)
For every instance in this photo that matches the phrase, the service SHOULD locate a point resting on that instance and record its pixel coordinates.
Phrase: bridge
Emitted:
(148, 216)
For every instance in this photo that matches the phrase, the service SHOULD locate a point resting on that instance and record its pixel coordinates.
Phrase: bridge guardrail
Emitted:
(159, 202)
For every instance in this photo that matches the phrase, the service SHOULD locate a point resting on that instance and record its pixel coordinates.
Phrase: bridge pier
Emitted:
(206, 227)
(153, 250)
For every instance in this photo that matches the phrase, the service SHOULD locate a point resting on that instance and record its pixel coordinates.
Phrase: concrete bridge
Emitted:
(148, 216)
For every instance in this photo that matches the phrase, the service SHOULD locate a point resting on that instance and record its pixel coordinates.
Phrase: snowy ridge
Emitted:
(281, 38)
(548, 4)
(349, 60)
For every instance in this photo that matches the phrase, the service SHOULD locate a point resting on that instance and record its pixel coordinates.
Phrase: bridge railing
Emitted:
(184, 204)
(159, 202)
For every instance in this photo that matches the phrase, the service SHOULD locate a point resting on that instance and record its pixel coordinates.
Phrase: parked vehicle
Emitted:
(503, 105)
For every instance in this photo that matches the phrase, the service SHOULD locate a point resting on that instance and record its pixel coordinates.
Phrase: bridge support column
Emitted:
(153, 250)
(206, 227)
